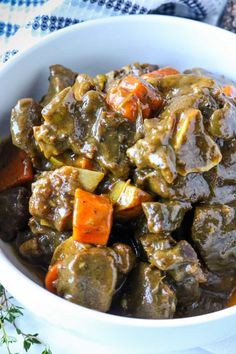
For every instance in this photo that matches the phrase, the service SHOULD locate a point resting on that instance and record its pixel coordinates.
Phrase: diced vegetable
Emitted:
(124, 102)
(232, 299)
(51, 277)
(82, 85)
(132, 94)
(117, 189)
(128, 199)
(56, 162)
(148, 96)
(81, 162)
(89, 180)
(161, 72)
(92, 218)
(101, 80)
(229, 90)
(17, 170)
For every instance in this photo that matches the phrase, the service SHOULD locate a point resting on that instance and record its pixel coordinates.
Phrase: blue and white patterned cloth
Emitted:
(23, 22)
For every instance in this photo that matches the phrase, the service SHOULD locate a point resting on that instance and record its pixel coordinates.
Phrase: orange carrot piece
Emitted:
(133, 84)
(145, 93)
(92, 218)
(17, 171)
(161, 72)
(229, 90)
(51, 277)
(131, 93)
(232, 299)
(83, 162)
(124, 102)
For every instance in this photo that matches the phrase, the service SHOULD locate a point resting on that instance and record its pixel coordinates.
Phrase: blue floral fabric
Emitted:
(23, 22)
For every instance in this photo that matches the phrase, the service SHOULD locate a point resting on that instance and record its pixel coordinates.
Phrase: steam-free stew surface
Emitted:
(122, 188)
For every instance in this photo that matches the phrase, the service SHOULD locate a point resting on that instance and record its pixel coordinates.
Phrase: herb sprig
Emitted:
(9, 313)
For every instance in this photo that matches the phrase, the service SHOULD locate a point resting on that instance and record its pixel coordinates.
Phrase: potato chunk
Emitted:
(128, 199)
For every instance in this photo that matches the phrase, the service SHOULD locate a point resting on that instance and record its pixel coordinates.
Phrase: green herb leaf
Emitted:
(9, 313)
(26, 345)
(47, 351)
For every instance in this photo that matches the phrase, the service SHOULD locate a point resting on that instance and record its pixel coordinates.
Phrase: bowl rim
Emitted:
(10, 271)
(110, 20)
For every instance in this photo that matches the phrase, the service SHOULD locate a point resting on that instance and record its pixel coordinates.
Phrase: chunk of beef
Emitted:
(166, 216)
(222, 122)
(147, 295)
(15, 166)
(60, 78)
(221, 178)
(171, 145)
(125, 258)
(179, 261)
(52, 197)
(87, 129)
(191, 188)
(113, 134)
(68, 248)
(220, 283)
(38, 243)
(208, 302)
(25, 115)
(182, 84)
(214, 233)
(90, 276)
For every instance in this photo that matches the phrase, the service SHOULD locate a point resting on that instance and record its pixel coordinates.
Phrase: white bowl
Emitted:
(93, 47)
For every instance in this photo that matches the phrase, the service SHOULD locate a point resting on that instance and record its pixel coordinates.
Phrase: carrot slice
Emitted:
(17, 169)
(123, 101)
(229, 90)
(232, 299)
(51, 277)
(161, 72)
(145, 93)
(127, 96)
(83, 162)
(92, 218)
